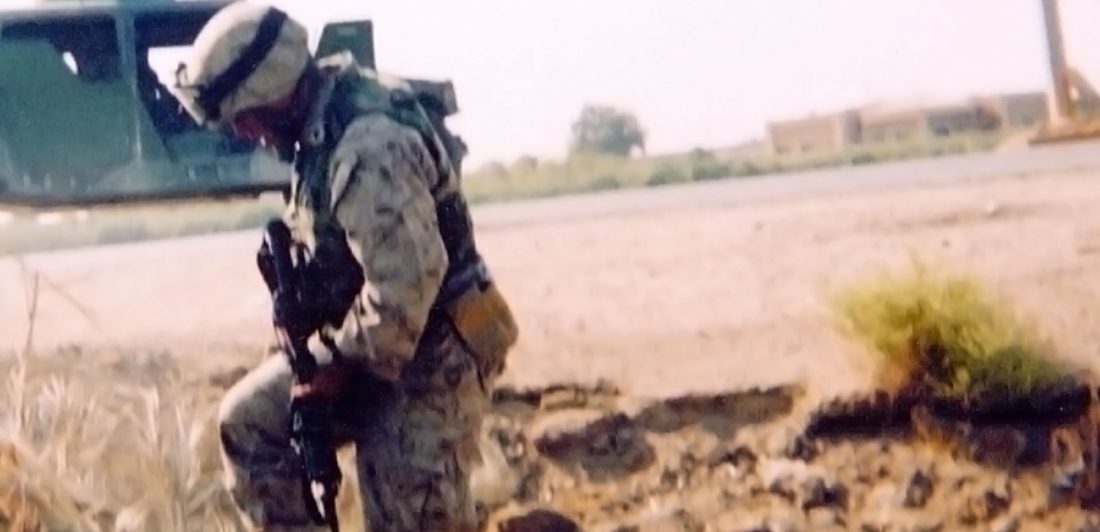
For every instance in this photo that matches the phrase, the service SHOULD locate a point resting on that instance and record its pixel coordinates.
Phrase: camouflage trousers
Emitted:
(416, 442)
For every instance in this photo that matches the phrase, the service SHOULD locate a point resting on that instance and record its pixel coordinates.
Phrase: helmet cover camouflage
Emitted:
(247, 55)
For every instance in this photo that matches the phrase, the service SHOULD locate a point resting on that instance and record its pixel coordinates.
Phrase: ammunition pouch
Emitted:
(482, 319)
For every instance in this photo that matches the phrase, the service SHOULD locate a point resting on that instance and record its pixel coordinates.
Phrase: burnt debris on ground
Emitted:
(746, 461)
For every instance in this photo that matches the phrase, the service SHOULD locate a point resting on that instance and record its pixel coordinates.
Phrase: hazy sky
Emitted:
(702, 72)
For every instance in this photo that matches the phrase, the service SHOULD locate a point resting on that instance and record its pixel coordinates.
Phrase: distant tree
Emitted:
(701, 155)
(493, 169)
(525, 163)
(706, 166)
(606, 130)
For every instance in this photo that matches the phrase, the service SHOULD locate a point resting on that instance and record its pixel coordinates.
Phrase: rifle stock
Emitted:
(311, 417)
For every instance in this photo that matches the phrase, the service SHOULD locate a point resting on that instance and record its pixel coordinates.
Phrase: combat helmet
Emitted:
(247, 55)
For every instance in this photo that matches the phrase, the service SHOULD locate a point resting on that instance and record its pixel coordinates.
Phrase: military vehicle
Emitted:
(85, 120)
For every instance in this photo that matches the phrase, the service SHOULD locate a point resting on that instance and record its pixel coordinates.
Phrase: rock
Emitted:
(1005, 524)
(870, 463)
(822, 518)
(999, 498)
(783, 491)
(1072, 481)
(816, 493)
(738, 521)
(555, 396)
(511, 439)
(920, 488)
(722, 414)
(801, 448)
(605, 445)
(672, 480)
(907, 523)
(553, 432)
(779, 477)
(741, 457)
(990, 504)
(688, 522)
(684, 467)
(794, 480)
(932, 524)
(775, 470)
(661, 519)
(539, 520)
(494, 482)
(563, 398)
(997, 445)
(879, 506)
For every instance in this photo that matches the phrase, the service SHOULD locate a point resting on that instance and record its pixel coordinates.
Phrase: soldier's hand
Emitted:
(329, 382)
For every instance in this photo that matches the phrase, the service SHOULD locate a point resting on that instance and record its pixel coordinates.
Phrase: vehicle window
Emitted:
(87, 44)
(161, 42)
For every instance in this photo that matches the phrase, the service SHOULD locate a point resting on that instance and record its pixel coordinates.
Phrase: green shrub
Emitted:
(666, 175)
(707, 171)
(946, 332)
(606, 182)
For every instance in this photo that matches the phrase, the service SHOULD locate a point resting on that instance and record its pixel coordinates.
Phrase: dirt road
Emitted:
(664, 290)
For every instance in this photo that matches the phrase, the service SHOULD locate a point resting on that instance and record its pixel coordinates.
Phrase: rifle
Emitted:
(311, 417)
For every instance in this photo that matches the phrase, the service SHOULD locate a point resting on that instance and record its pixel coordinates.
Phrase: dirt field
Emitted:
(663, 301)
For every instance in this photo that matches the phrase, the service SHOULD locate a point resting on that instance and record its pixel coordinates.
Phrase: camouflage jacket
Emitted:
(391, 190)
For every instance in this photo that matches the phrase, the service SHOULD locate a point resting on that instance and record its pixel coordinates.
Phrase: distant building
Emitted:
(886, 123)
(1021, 110)
(910, 121)
(915, 121)
(816, 133)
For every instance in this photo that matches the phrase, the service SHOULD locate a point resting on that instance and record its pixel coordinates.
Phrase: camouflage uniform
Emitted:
(425, 340)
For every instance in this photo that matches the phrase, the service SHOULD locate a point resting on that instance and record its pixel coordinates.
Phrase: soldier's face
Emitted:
(270, 127)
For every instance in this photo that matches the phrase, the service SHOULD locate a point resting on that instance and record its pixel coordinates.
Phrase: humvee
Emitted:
(85, 120)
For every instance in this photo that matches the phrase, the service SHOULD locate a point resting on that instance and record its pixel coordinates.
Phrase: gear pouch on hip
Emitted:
(485, 322)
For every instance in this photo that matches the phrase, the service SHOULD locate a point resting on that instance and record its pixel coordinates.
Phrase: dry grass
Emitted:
(109, 442)
(90, 441)
(105, 441)
(101, 441)
(123, 447)
(948, 332)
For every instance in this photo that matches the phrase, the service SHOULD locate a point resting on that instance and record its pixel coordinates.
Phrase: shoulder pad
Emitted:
(438, 94)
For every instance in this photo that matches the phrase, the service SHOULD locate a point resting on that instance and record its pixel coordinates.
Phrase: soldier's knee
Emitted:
(230, 427)
(229, 406)
(234, 404)
(251, 410)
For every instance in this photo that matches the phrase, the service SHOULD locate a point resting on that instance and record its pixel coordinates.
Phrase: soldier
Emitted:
(411, 359)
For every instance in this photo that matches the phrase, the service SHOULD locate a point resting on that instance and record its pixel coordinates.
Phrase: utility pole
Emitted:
(1056, 49)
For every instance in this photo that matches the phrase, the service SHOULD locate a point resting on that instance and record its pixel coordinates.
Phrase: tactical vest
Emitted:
(353, 94)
